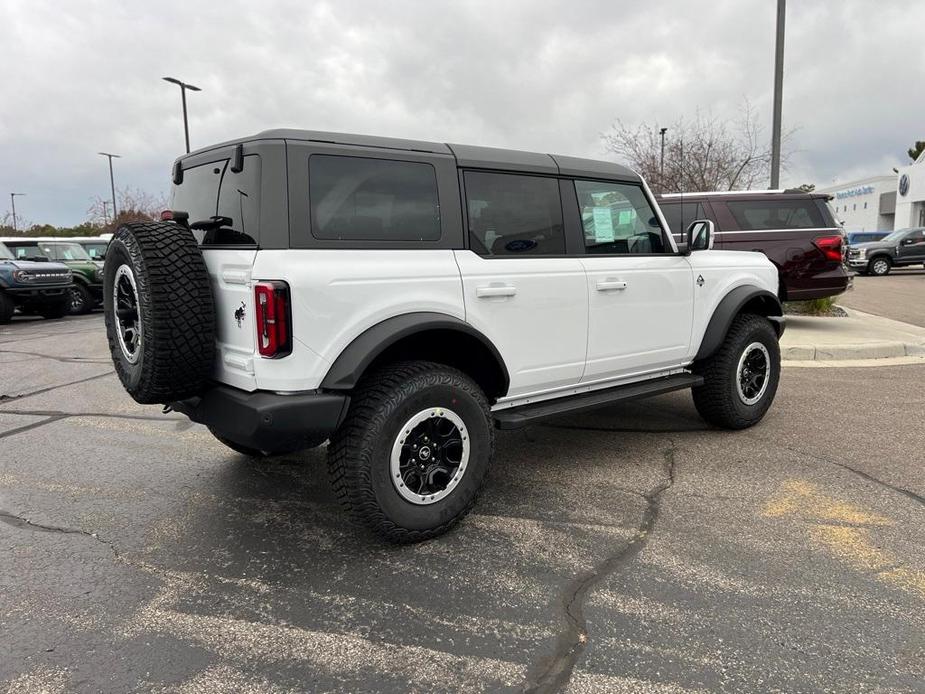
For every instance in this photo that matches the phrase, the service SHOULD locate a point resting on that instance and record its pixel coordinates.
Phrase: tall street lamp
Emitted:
(778, 94)
(183, 87)
(13, 205)
(112, 182)
(661, 162)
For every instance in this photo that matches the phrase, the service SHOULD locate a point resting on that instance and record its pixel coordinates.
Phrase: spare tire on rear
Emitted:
(160, 321)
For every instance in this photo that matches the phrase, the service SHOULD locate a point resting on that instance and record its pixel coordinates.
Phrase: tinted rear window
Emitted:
(239, 200)
(360, 199)
(775, 214)
(198, 194)
(679, 215)
(510, 214)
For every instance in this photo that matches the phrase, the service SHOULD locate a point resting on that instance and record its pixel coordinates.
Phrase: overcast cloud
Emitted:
(547, 75)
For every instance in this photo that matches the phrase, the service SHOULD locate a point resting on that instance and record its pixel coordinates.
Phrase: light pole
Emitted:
(13, 205)
(105, 211)
(778, 94)
(183, 87)
(661, 162)
(112, 181)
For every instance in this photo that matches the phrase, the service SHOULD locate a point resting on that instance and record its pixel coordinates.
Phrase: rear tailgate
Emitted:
(209, 187)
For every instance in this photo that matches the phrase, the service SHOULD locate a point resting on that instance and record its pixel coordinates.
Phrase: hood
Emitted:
(33, 265)
(871, 244)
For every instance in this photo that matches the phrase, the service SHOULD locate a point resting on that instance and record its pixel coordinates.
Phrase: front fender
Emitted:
(765, 303)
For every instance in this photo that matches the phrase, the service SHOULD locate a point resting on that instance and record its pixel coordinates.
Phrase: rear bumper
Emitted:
(267, 421)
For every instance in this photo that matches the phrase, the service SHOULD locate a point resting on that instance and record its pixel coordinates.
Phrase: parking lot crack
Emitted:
(551, 674)
(65, 360)
(23, 523)
(13, 398)
(863, 475)
(33, 425)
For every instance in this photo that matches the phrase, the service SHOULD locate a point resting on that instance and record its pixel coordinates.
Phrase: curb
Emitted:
(877, 350)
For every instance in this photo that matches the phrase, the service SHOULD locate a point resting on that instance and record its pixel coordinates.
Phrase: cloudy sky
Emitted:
(550, 75)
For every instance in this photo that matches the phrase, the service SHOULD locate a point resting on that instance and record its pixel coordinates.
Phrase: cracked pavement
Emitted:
(630, 549)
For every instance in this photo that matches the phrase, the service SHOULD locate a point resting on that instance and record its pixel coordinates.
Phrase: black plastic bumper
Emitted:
(267, 421)
(37, 296)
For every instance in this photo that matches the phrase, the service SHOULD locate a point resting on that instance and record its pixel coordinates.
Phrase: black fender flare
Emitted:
(349, 366)
(730, 306)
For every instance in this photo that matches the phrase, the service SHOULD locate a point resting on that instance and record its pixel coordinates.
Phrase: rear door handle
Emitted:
(604, 285)
(500, 290)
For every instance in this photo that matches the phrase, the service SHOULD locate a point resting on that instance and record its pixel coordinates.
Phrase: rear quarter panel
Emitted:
(338, 294)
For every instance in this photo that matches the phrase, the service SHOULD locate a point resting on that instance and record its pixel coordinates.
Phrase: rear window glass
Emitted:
(198, 194)
(775, 214)
(360, 199)
(239, 200)
(510, 214)
(679, 215)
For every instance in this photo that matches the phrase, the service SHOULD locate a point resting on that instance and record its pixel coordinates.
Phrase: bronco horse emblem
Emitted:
(239, 314)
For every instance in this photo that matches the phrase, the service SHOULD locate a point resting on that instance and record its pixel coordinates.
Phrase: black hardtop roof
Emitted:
(469, 156)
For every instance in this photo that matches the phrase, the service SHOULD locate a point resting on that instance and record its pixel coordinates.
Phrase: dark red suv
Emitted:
(795, 230)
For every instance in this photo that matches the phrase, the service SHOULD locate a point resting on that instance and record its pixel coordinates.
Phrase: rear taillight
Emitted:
(830, 247)
(273, 319)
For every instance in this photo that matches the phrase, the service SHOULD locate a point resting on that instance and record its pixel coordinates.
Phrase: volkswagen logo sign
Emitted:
(903, 184)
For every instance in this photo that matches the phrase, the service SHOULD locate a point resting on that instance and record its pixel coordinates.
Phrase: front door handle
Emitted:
(497, 290)
(605, 285)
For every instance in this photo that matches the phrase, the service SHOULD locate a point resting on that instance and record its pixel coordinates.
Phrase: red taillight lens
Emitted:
(830, 247)
(167, 216)
(273, 319)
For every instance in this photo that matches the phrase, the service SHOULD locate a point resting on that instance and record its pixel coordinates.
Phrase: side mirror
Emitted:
(700, 235)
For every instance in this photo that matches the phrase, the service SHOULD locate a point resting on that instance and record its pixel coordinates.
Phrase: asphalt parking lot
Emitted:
(631, 549)
(900, 295)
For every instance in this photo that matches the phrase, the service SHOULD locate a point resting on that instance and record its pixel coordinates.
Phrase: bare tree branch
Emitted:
(702, 154)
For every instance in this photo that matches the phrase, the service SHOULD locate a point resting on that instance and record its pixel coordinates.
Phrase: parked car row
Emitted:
(901, 248)
(794, 229)
(50, 277)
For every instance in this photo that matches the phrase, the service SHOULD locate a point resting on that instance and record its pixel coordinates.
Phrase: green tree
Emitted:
(807, 187)
(916, 151)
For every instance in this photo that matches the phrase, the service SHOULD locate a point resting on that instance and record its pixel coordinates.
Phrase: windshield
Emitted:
(895, 236)
(64, 251)
(5, 253)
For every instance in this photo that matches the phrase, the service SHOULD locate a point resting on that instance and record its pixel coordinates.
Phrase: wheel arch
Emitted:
(421, 336)
(743, 299)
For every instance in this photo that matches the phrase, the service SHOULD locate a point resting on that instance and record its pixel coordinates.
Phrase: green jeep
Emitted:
(87, 292)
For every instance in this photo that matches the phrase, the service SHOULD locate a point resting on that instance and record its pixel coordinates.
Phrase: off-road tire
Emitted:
(7, 307)
(880, 266)
(80, 300)
(174, 301)
(258, 454)
(718, 400)
(359, 451)
(53, 311)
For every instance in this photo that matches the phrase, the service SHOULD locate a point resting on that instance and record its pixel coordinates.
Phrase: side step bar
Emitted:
(517, 417)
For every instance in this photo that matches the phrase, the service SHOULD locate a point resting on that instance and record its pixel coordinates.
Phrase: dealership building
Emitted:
(882, 203)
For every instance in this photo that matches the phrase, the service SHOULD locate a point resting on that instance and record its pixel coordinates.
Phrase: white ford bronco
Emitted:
(402, 299)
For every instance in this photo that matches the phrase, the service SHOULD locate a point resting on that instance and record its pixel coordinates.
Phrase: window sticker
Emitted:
(603, 224)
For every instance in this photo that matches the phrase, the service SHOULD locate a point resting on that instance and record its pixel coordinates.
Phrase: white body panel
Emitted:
(723, 271)
(338, 294)
(641, 309)
(230, 275)
(557, 332)
(535, 311)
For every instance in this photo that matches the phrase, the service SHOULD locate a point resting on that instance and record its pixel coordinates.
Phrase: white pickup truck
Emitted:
(402, 299)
